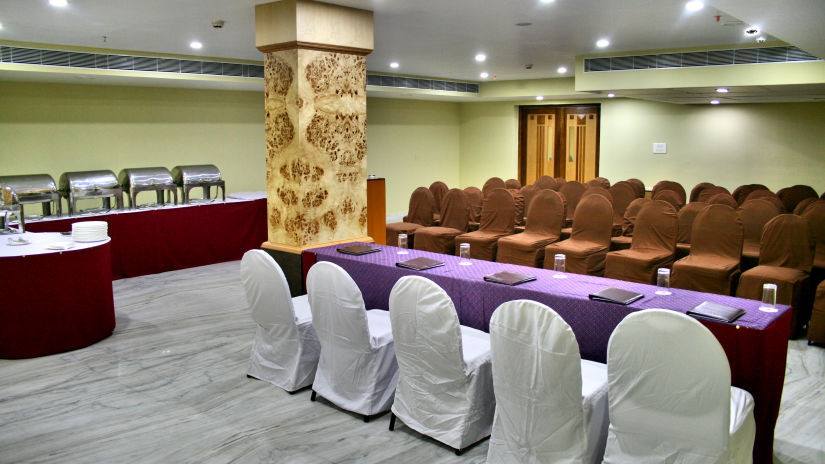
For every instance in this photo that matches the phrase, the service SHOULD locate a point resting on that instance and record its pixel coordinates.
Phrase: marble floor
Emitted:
(170, 386)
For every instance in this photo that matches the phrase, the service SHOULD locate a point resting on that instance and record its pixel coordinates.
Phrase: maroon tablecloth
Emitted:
(55, 302)
(160, 240)
(756, 344)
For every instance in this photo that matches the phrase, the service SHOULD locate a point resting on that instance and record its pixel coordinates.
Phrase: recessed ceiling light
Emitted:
(540, 97)
(694, 5)
(547, 1)
(611, 95)
(601, 43)
(722, 90)
(394, 64)
(562, 70)
(752, 30)
(484, 75)
(761, 39)
(481, 57)
(59, 3)
(196, 45)
(1, 26)
(714, 102)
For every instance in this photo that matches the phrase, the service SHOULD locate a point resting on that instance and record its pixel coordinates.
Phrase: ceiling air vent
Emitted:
(398, 82)
(698, 59)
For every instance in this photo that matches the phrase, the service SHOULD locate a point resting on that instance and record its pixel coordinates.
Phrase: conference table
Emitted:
(756, 344)
(57, 294)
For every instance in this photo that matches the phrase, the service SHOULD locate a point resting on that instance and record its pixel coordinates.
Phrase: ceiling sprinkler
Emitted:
(218, 23)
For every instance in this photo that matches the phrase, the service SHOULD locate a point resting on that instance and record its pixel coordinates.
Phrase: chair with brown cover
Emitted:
(439, 189)
(816, 329)
(723, 199)
(815, 215)
(622, 193)
(544, 219)
(671, 197)
(638, 187)
(455, 214)
(492, 184)
(528, 192)
(561, 181)
(623, 241)
(572, 192)
(790, 196)
(590, 239)
(599, 182)
(740, 194)
(512, 184)
(710, 192)
(595, 190)
(769, 196)
(802, 205)
(685, 218)
(697, 190)
(755, 214)
(546, 182)
(786, 254)
(670, 185)
(653, 246)
(518, 204)
(497, 220)
(713, 263)
(420, 214)
(474, 198)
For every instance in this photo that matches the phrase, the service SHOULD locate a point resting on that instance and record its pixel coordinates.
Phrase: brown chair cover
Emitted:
(670, 185)
(697, 190)
(497, 217)
(755, 214)
(785, 257)
(544, 220)
(800, 207)
(594, 190)
(653, 246)
(715, 252)
(790, 196)
(767, 195)
(546, 182)
(599, 182)
(709, 192)
(439, 189)
(590, 239)
(815, 215)
(512, 184)
(741, 193)
(816, 329)
(622, 193)
(455, 215)
(474, 198)
(671, 197)
(572, 192)
(559, 182)
(528, 192)
(630, 215)
(723, 199)
(685, 218)
(518, 204)
(420, 214)
(638, 187)
(492, 184)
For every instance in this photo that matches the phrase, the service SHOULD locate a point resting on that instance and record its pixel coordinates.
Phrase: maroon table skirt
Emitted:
(56, 302)
(160, 240)
(756, 345)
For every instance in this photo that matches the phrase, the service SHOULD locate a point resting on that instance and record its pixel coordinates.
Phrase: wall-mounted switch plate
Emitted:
(659, 148)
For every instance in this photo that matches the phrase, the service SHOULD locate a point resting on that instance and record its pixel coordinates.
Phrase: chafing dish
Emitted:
(90, 184)
(199, 175)
(34, 188)
(10, 208)
(136, 180)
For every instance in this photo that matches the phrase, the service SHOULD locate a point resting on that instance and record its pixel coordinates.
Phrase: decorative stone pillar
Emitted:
(316, 124)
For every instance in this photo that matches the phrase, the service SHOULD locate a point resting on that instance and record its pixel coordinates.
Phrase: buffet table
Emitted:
(54, 300)
(756, 344)
(149, 241)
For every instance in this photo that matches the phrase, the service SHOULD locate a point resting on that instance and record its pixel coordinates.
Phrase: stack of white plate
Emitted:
(90, 231)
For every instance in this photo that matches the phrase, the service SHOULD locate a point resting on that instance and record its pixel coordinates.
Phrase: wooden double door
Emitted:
(558, 141)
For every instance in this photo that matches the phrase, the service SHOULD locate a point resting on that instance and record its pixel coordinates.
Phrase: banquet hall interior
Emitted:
(725, 92)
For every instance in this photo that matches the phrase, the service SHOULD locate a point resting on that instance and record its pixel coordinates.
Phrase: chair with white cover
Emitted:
(670, 394)
(285, 348)
(357, 370)
(551, 405)
(445, 386)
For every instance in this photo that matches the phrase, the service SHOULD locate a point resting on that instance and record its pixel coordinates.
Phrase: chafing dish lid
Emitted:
(145, 177)
(88, 180)
(29, 184)
(196, 173)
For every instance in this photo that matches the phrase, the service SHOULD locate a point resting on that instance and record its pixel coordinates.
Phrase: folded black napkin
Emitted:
(358, 249)
(716, 312)
(419, 264)
(615, 295)
(509, 278)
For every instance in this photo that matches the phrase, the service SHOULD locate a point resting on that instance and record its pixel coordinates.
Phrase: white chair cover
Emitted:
(445, 389)
(670, 394)
(551, 406)
(285, 349)
(357, 370)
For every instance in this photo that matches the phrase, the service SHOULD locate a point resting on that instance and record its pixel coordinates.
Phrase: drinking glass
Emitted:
(559, 265)
(768, 298)
(402, 243)
(464, 254)
(663, 281)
